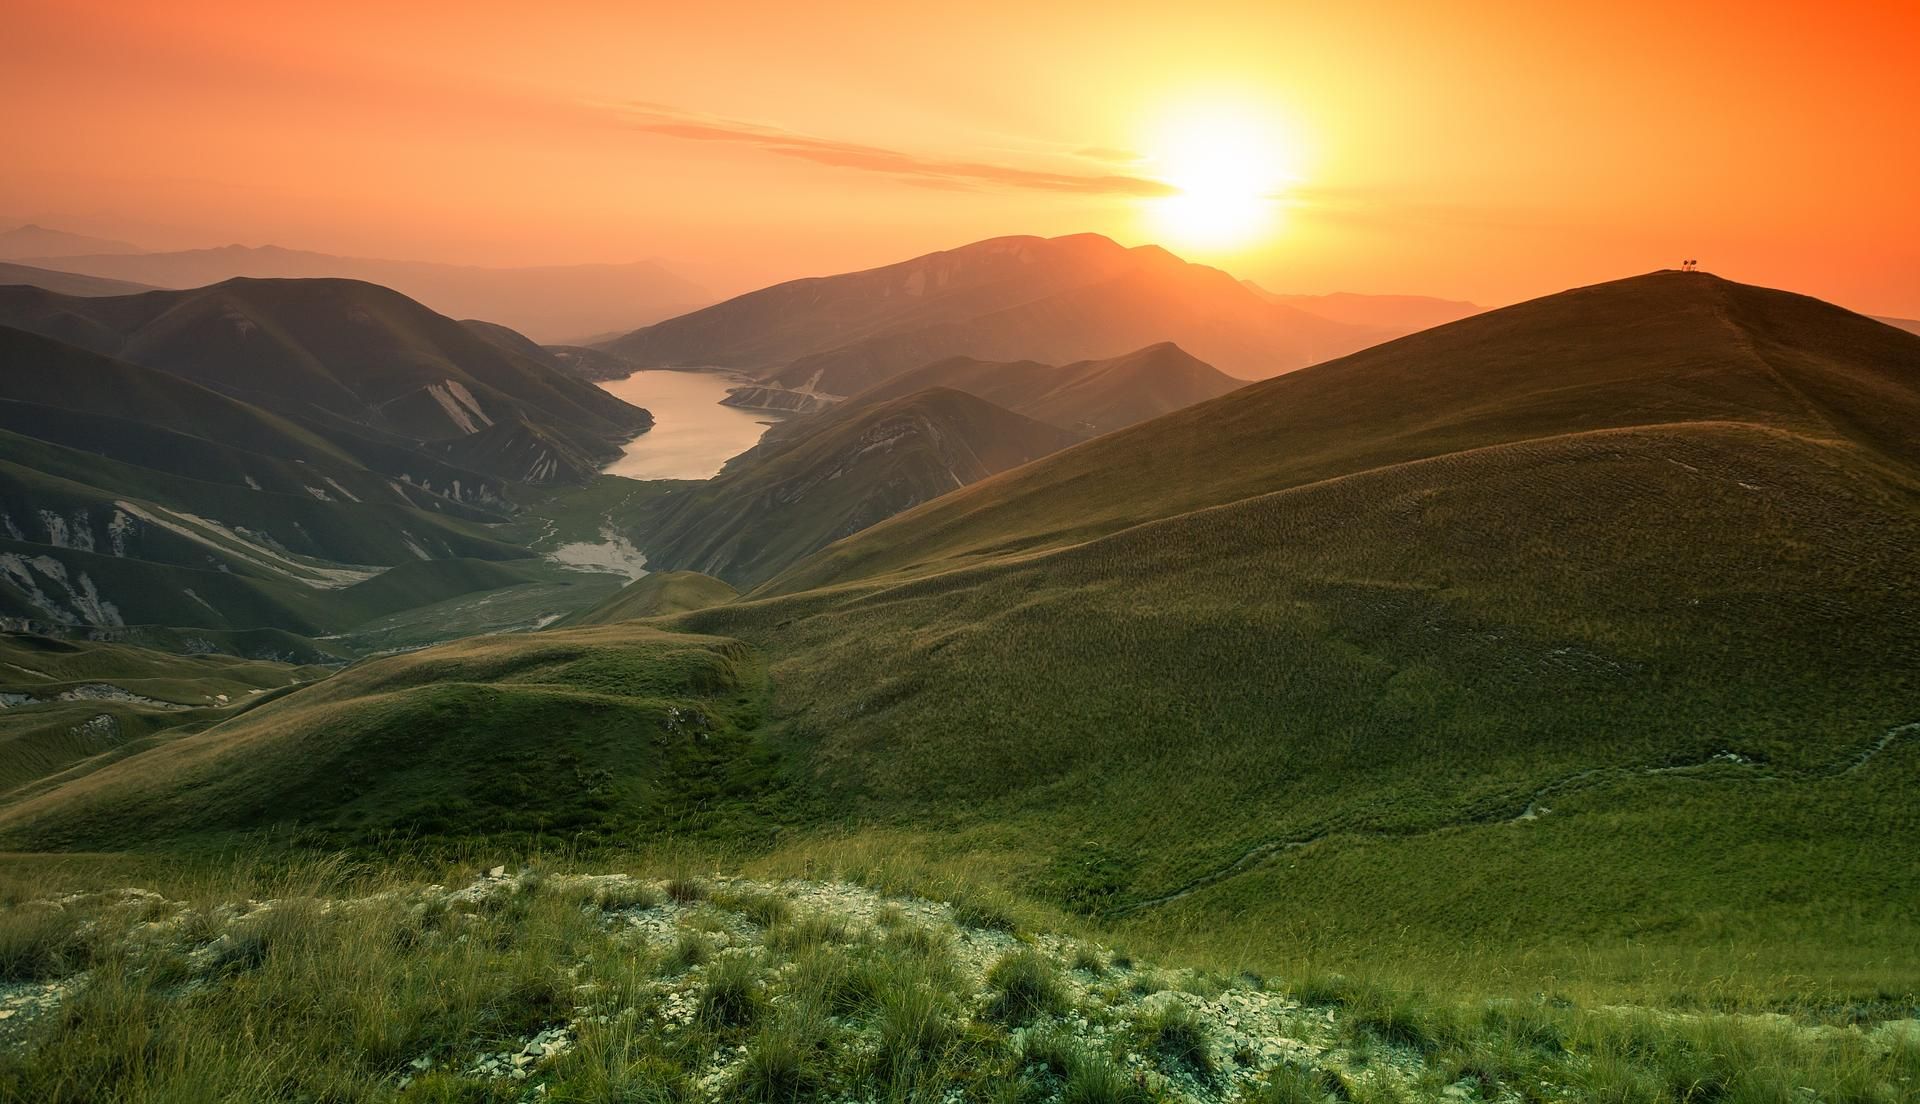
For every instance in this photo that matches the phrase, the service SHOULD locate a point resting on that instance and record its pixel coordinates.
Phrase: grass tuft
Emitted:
(1025, 984)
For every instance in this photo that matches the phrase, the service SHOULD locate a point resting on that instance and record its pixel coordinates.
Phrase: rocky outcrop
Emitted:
(776, 398)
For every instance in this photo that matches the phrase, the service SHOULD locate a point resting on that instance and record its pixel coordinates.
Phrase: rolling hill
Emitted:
(1047, 299)
(133, 499)
(553, 303)
(1618, 580)
(66, 283)
(655, 595)
(351, 358)
(1088, 396)
(852, 466)
(1579, 629)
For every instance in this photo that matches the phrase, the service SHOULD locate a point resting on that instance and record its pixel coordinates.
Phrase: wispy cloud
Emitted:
(673, 122)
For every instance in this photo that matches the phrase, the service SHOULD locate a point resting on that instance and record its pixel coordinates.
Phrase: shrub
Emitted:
(731, 997)
(38, 942)
(1025, 984)
(764, 909)
(686, 891)
(1180, 1038)
(689, 950)
(780, 1067)
(972, 910)
(1293, 1084)
(811, 930)
(623, 896)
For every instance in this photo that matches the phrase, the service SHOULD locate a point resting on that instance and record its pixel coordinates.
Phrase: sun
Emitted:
(1228, 170)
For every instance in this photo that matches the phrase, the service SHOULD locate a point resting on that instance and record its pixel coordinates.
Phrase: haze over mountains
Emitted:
(1056, 300)
(29, 241)
(553, 303)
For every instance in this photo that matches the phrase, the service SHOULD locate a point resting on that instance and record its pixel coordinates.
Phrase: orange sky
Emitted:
(1487, 151)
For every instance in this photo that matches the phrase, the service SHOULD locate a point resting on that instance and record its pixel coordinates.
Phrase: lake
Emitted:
(692, 433)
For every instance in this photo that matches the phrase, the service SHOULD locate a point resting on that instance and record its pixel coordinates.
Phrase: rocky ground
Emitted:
(722, 988)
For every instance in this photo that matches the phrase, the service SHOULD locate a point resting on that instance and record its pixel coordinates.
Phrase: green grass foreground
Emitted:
(246, 979)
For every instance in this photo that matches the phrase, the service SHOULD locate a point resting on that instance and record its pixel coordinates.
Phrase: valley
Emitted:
(1555, 657)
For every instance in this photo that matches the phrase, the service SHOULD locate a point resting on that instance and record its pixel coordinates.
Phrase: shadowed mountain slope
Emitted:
(1088, 396)
(1653, 350)
(853, 466)
(66, 283)
(358, 357)
(131, 496)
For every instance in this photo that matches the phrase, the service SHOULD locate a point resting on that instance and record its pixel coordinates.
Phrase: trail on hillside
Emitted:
(1736, 768)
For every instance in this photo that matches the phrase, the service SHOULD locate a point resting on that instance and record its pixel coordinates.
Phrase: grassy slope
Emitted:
(62, 713)
(1088, 397)
(855, 465)
(1654, 350)
(595, 733)
(1387, 605)
(655, 595)
(358, 351)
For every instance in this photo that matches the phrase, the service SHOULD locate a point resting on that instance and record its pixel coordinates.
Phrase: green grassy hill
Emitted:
(1543, 629)
(655, 595)
(1088, 396)
(593, 733)
(847, 469)
(359, 352)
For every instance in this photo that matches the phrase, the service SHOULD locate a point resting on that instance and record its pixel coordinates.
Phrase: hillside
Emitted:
(1612, 580)
(851, 467)
(1693, 350)
(1911, 325)
(1088, 396)
(66, 283)
(655, 594)
(131, 498)
(641, 726)
(552, 303)
(358, 357)
(1048, 299)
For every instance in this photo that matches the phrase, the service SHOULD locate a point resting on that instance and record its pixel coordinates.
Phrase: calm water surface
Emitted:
(692, 433)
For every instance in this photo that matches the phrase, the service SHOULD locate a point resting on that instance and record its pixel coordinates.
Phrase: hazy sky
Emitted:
(1488, 151)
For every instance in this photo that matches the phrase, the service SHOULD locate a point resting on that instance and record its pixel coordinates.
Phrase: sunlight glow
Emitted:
(1230, 169)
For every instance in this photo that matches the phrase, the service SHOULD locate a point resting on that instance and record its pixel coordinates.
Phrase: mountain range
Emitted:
(353, 359)
(1056, 300)
(30, 240)
(554, 303)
